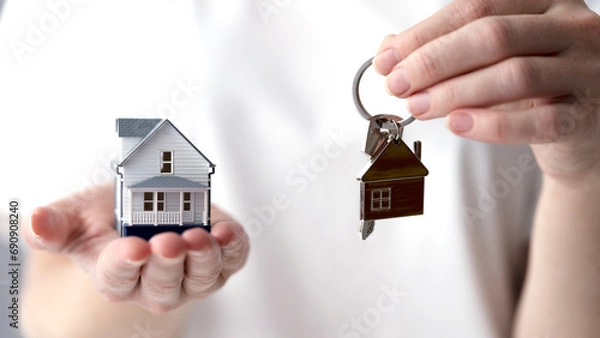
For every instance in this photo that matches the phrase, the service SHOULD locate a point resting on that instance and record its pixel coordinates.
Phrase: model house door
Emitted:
(188, 207)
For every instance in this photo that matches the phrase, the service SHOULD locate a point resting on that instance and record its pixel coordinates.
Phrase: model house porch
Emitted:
(153, 203)
(161, 207)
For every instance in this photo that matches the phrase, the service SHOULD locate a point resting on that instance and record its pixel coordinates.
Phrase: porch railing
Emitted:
(160, 217)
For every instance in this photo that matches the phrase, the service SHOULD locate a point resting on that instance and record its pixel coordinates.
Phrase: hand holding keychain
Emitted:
(392, 184)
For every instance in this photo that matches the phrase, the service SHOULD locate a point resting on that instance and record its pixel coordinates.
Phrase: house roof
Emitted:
(395, 161)
(135, 127)
(151, 133)
(167, 181)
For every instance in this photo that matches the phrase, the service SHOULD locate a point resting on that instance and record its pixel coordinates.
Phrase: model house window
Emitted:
(187, 201)
(149, 201)
(166, 162)
(381, 199)
(160, 201)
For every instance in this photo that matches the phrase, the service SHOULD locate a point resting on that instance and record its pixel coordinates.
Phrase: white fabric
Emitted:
(309, 274)
(268, 101)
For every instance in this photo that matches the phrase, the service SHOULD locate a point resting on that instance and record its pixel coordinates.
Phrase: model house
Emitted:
(163, 180)
(392, 184)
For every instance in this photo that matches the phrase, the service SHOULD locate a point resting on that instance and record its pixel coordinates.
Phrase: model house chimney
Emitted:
(417, 146)
(132, 131)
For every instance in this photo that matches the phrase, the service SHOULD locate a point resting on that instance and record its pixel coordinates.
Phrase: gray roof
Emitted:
(135, 127)
(168, 181)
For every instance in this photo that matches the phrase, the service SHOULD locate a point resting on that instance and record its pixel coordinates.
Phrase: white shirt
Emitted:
(283, 104)
(266, 95)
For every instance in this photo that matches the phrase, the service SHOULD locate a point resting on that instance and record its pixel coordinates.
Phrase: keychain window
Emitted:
(381, 199)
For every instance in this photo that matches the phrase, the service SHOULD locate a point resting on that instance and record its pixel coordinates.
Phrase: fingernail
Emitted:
(35, 234)
(419, 103)
(43, 216)
(134, 262)
(171, 259)
(397, 82)
(460, 122)
(387, 38)
(385, 61)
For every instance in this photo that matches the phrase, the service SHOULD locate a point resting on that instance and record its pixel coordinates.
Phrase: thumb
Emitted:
(50, 228)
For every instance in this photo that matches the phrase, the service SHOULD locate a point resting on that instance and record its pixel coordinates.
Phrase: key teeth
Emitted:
(366, 228)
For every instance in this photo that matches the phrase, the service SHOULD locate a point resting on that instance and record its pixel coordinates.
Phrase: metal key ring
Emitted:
(356, 95)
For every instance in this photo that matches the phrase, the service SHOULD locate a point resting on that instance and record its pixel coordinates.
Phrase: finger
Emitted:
(119, 267)
(203, 264)
(79, 225)
(235, 245)
(49, 228)
(58, 227)
(448, 19)
(511, 80)
(160, 285)
(540, 124)
(478, 44)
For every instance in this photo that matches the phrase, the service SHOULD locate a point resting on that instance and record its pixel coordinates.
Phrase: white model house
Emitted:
(163, 180)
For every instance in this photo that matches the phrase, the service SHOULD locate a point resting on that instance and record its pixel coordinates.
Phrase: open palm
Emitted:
(160, 274)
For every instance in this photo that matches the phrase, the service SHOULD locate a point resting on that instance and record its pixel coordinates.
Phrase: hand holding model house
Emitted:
(161, 273)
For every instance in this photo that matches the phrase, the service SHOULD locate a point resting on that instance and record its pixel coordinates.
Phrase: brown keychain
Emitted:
(392, 184)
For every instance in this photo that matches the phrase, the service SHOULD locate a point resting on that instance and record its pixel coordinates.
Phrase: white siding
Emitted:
(199, 207)
(138, 202)
(126, 203)
(145, 163)
(118, 199)
(172, 201)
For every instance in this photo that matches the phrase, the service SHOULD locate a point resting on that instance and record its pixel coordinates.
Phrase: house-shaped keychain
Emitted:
(392, 183)
(163, 180)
